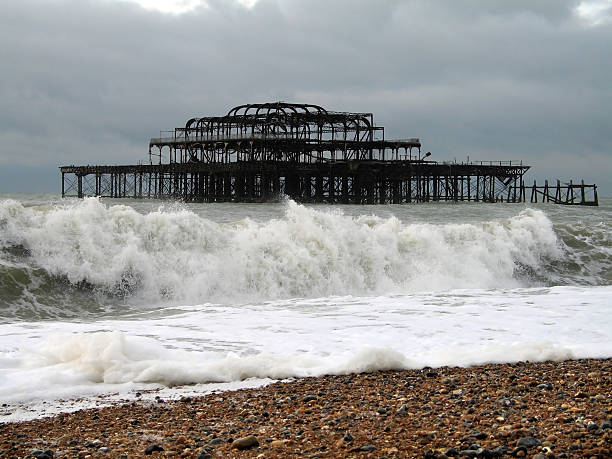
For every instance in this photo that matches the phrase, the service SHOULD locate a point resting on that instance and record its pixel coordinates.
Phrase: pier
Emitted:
(259, 152)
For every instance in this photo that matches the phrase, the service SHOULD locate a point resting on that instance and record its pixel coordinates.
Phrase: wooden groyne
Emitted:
(259, 152)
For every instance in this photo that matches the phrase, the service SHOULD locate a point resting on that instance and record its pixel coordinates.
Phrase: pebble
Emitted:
(245, 442)
(479, 435)
(547, 386)
(452, 452)
(40, 454)
(591, 426)
(152, 448)
(528, 442)
(367, 448)
(520, 451)
(485, 453)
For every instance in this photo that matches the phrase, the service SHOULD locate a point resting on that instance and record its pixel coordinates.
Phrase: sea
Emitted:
(108, 301)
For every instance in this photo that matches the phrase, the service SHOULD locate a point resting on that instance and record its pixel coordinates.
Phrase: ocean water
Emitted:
(103, 301)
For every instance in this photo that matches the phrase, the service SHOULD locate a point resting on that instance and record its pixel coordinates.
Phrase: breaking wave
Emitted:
(87, 247)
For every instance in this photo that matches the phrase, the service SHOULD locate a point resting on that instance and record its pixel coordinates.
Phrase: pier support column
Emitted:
(319, 188)
(345, 190)
(80, 186)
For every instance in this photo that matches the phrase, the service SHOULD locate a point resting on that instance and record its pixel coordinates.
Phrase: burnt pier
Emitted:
(258, 152)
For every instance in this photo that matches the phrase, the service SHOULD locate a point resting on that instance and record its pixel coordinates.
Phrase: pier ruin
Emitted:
(258, 152)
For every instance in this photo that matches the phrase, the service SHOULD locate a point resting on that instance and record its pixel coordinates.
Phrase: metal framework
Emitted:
(297, 133)
(257, 152)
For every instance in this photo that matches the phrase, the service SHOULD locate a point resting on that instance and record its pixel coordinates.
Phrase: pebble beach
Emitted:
(537, 410)
(305, 229)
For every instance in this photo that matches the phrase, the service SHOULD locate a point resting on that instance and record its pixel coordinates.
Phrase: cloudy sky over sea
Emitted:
(90, 81)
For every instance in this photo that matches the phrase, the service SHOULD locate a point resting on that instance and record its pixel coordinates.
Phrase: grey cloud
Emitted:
(91, 81)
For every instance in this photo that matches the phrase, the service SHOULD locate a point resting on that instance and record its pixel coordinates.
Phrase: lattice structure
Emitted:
(299, 133)
(259, 152)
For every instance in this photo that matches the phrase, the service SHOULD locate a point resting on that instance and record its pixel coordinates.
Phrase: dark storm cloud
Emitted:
(91, 81)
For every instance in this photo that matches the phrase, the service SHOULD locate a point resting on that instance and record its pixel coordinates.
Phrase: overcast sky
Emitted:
(90, 81)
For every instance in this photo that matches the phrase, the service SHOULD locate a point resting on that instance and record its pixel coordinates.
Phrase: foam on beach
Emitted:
(103, 301)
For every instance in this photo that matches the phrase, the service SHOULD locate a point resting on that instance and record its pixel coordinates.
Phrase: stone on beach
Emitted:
(245, 442)
(528, 442)
(152, 449)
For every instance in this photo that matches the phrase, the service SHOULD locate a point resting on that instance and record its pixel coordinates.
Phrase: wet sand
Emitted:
(539, 410)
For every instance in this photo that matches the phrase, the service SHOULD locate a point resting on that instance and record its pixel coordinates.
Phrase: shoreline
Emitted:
(545, 409)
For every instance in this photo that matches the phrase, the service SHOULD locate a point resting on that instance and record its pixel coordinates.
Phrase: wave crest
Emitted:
(306, 253)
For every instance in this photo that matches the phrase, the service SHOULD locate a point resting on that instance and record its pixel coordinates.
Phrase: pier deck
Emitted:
(351, 182)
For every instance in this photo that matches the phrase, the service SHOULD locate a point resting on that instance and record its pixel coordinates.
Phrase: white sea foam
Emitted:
(219, 303)
(307, 253)
(295, 338)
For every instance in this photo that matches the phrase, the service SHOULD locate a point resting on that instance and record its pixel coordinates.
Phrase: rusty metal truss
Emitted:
(258, 152)
(279, 131)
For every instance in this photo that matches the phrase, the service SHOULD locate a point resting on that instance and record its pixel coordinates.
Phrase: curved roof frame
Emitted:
(298, 117)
